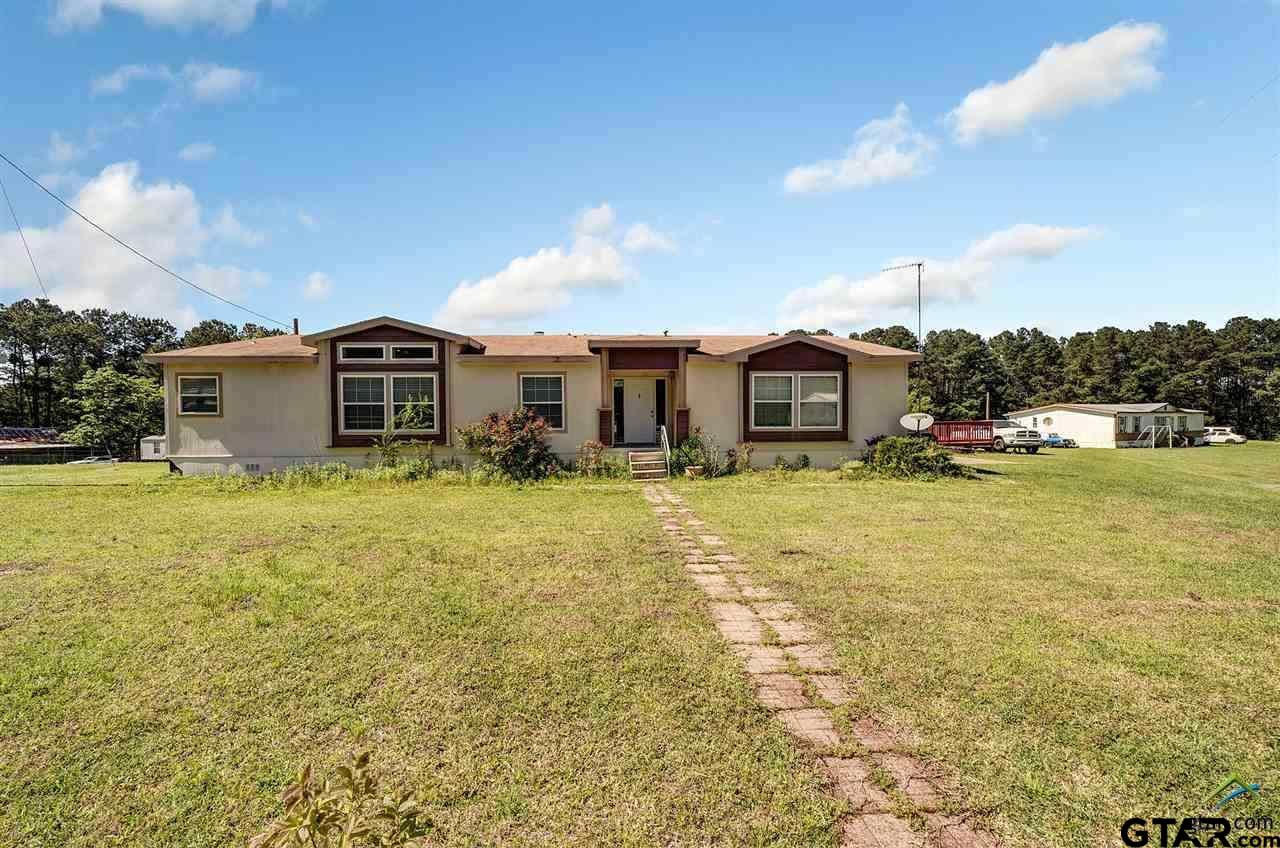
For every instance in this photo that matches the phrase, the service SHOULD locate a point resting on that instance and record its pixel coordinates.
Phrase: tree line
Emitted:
(59, 368)
(1232, 373)
(81, 372)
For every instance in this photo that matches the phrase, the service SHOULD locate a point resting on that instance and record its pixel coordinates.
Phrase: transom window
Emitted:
(795, 401)
(362, 352)
(199, 395)
(543, 394)
(368, 405)
(413, 352)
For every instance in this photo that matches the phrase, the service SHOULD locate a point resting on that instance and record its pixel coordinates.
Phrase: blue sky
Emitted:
(651, 167)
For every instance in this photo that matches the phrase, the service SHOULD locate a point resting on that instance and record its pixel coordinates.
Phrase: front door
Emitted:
(640, 410)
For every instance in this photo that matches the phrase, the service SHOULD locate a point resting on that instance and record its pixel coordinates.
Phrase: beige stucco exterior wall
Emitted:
(481, 388)
(877, 399)
(279, 415)
(714, 403)
(268, 411)
(1089, 429)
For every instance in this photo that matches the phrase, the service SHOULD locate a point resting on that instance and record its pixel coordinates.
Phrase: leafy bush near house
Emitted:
(593, 461)
(911, 458)
(699, 448)
(347, 810)
(742, 457)
(513, 443)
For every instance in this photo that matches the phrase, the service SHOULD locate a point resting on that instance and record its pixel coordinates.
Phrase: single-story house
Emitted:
(1111, 425)
(254, 405)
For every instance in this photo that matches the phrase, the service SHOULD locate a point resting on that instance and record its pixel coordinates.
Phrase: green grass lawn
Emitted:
(535, 661)
(1080, 637)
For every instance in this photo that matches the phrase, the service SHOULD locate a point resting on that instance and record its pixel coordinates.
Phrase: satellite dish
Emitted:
(916, 422)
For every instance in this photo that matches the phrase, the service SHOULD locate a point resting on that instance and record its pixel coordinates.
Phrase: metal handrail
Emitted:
(666, 446)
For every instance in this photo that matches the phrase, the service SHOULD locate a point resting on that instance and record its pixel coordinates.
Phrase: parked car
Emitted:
(1053, 440)
(1223, 436)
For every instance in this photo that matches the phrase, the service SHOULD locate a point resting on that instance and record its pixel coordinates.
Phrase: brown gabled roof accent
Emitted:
(368, 323)
(266, 349)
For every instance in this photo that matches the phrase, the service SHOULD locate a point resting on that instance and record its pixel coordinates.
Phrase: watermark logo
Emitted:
(1232, 788)
(1243, 831)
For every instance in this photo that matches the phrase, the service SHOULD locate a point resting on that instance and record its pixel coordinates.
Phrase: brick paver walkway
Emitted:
(793, 672)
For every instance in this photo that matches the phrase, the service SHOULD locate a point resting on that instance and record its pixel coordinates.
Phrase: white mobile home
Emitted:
(1113, 425)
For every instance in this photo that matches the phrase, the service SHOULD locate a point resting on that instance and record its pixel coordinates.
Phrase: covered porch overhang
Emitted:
(623, 360)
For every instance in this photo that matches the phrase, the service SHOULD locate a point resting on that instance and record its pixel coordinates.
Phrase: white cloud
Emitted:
(227, 280)
(1102, 69)
(122, 77)
(307, 220)
(199, 151)
(228, 228)
(642, 238)
(317, 286)
(842, 301)
(534, 285)
(230, 16)
(884, 150)
(63, 150)
(203, 82)
(83, 268)
(208, 82)
(596, 221)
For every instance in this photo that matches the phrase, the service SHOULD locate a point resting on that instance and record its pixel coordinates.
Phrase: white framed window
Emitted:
(413, 352)
(1035, 422)
(415, 393)
(819, 402)
(773, 401)
(364, 403)
(199, 394)
(1182, 423)
(362, 352)
(544, 395)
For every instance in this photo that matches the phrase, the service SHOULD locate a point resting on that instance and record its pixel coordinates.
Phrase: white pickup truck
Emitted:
(1008, 434)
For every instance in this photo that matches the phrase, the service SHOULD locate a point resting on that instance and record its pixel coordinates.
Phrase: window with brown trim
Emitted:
(199, 394)
(413, 402)
(543, 394)
(796, 401)
(364, 403)
(772, 397)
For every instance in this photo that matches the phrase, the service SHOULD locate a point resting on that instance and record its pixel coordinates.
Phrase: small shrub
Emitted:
(345, 811)
(513, 443)
(699, 448)
(593, 461)
(911, 457)
(802, 462)
(742, 457)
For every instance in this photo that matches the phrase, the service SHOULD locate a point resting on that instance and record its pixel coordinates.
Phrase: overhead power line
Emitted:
(133, 249)
(23, 236)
